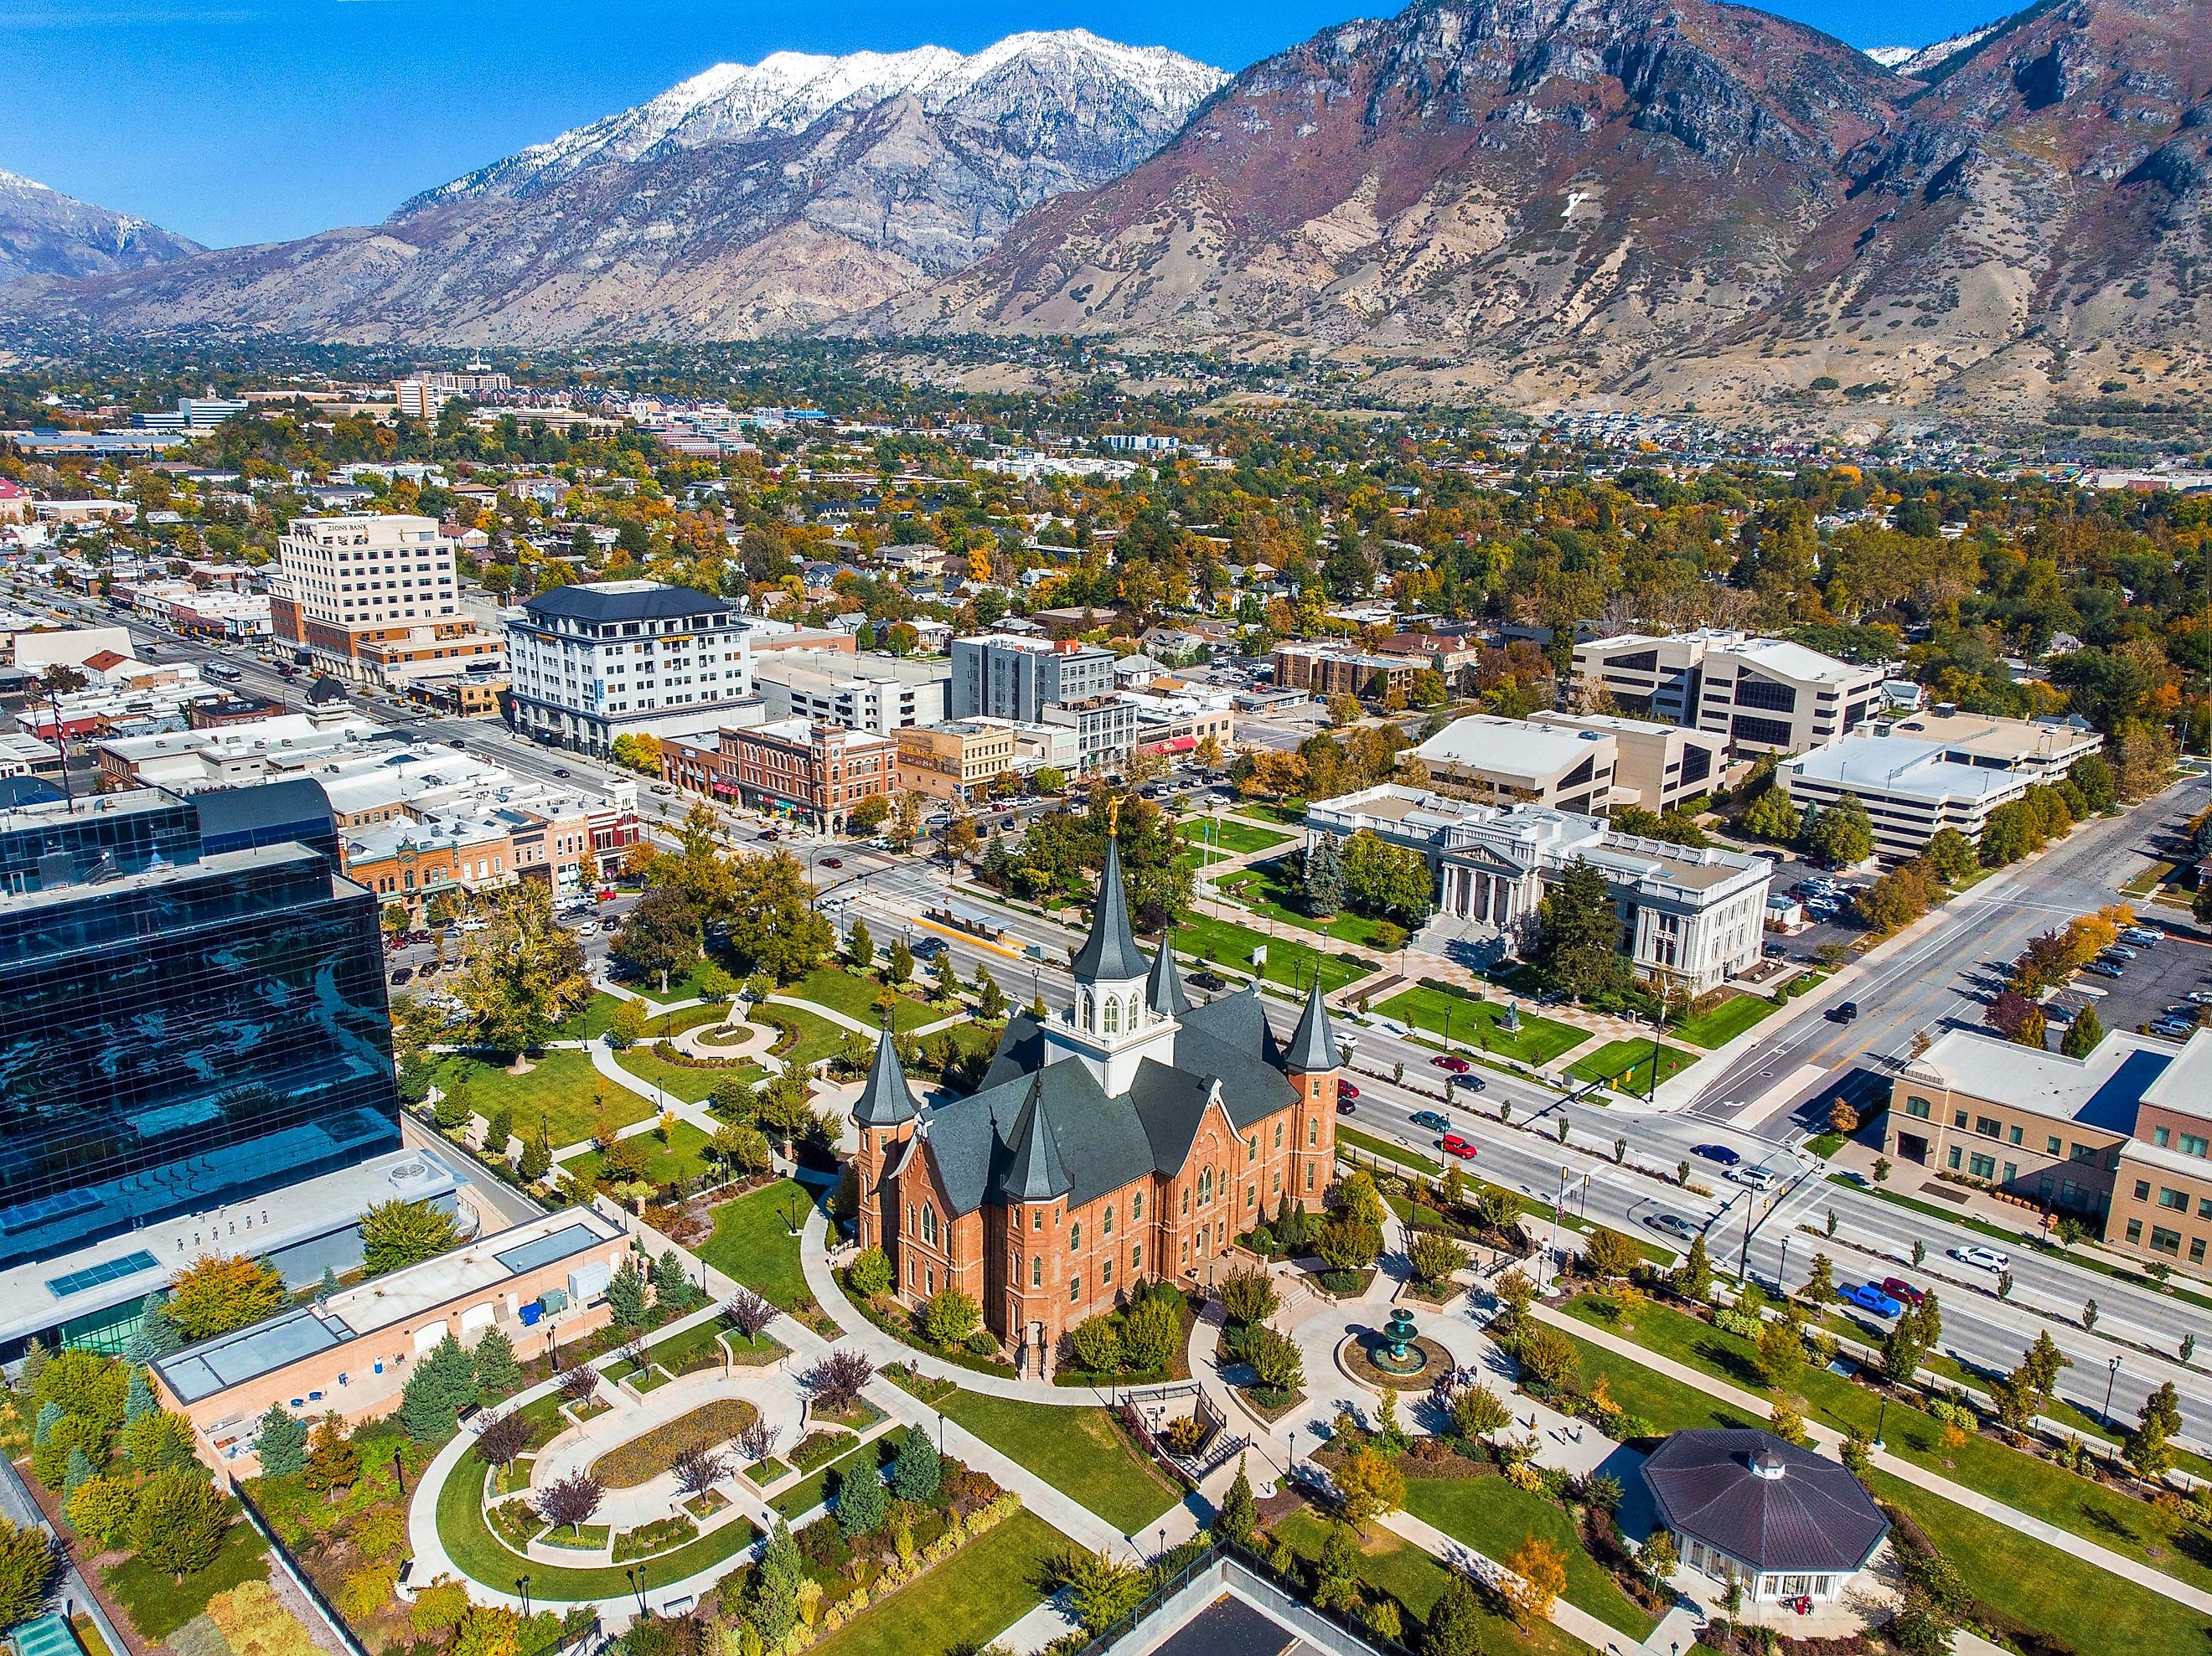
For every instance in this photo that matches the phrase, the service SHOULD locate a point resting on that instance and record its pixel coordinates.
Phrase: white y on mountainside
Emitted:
(787, 91)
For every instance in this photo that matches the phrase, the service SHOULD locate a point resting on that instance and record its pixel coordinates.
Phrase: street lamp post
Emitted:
(522, 1587)
(1880, 1418)
(637, 1586)
(2111, 1377)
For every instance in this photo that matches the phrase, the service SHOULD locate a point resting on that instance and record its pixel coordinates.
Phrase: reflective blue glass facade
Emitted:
(179, 1027)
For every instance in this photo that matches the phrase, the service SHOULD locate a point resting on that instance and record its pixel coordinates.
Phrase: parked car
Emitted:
(1720, 1153)
(1430, 1121)
(1758, 1178)
(588, 929)
(1897, 1289)
(2116, 952)
(2174, 1028)
(1458, 1066)
(1346, 1090)
(1672, 1224)
(1843, 1013)
(1868, 1297)
(1453, 1144)
(1982, 1259)
(2106, 969)
(1468, 1079)
(2199, 997)
(2149, 936)
(400, 974)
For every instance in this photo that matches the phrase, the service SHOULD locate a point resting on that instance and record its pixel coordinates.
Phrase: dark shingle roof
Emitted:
(884, 1101)
(1164, 989)
(1110, 952)
(1238, 1020)
(1814, 1517)
(591, 604)
(1313, 1048)
(1034, 1170)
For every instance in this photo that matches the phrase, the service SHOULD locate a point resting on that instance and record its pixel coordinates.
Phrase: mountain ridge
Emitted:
(45, 232)
(747, 199)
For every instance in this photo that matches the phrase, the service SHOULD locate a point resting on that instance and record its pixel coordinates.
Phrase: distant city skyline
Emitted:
(260, 122)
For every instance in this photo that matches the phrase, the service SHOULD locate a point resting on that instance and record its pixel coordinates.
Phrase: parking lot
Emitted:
(2158, 978)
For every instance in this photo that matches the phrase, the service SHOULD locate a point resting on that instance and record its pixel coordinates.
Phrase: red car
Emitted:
(1455, 1145)
(1346, 1090)
(1458, 1066)
(1897, 1289)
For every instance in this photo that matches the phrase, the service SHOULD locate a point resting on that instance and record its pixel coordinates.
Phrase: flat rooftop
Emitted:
(1899, 765)
(1510, 747)
(2101, 1091)
(212, 1366)
(2012, 741)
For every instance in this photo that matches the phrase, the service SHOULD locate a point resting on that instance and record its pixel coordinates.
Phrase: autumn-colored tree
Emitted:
(219, 1292)
(1536, 1576)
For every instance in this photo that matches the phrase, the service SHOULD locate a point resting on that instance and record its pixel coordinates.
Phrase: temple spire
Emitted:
(884, 1101)
(1109, 953)
(1034, 1172)
(1164, 989)
(1313, 1046)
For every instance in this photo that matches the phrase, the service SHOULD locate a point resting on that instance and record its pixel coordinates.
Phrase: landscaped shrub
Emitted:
(820, 1449)
(649, 1454)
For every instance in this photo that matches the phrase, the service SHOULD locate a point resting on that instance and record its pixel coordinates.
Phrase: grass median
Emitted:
(1078, 1450)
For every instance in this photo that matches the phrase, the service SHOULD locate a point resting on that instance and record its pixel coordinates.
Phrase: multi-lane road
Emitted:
(1940, 972)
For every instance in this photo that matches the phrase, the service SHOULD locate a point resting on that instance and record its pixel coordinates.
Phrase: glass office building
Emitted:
(192, 1012)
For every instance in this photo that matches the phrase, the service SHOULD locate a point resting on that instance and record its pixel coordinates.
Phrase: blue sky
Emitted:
(247, 120)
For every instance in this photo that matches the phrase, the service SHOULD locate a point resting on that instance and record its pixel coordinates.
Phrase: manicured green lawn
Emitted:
(482, 1556)
(1267, 889)
(682, 986)
(159, 1603)
(1079, 1450)
(961, 1603)
(1626, 1064)
(818, 1038)
(855, 995)
(1237, 838)
(2046, 1587)
(1351, 1138)
(2096, 1512)
(1480, 1025)
(684, 1156)
(1392, 1566)
(589, 1023)
(752, 1242)
(1289, 962)
(1492, 1517)
(561, 1086)
(1291, 813)
(1725, 1022)
(681, 1080)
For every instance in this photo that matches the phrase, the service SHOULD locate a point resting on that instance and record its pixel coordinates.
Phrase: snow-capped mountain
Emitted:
(1915, 62)
(44, 232)
(748, 198)
(1152, 87)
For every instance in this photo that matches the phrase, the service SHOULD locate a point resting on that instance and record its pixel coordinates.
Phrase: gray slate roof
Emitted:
(1110, 952)
(1164, 989)
(884, 1101)
(1815, 1518)
(1313, 1045)
(1035, 1126)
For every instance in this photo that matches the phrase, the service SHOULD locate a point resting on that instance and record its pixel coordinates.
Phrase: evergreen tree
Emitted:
(772, 1604)
(668, 1281)
(443, 1383)
(80, 1472)
(138, 1400)
(496, 1371)
(155, 1336)
(990, 999)
(918, 1471)
(2082, 1035)
(537, 1158)
(626, 1296)
(1238, 1518)
(1324, 877)
(1578, 933)
(862, 1500)
(861, 946)
(329, 1285)
(1455, 1623)
(282, 1443)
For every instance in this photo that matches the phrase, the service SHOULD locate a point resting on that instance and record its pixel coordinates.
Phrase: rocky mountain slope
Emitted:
(751, 197)
(1665, 200)
(44, 232)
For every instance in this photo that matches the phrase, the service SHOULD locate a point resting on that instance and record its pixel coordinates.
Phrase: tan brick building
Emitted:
(1132, 1138)
(818, 771)
(2122, 1138)
(956, 761)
